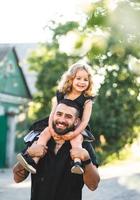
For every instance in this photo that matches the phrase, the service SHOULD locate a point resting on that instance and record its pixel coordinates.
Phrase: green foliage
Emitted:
(112, 157)
(50, 64)
(63, 29)
(98, 16)
(116, 110)
(112, 111)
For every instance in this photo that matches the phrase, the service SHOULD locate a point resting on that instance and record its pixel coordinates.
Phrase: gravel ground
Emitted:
(118, 182)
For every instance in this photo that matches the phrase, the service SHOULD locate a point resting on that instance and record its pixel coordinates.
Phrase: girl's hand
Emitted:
(69, 136)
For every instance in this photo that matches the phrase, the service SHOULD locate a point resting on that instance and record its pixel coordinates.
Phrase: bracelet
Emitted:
(86, 162)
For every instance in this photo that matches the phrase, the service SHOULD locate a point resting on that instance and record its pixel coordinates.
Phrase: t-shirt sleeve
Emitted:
(92, 98)
(88, 146)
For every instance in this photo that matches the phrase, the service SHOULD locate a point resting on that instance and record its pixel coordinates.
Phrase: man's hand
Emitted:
(80, 153)
(20, 174)
(37, 150)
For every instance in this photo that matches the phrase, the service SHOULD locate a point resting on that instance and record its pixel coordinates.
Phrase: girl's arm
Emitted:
(85, 118)
(50, 127)
(46, 134)
(54, 104)
(83, 123)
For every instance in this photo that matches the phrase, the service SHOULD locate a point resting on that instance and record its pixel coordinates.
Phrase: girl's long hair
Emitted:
(65, 83)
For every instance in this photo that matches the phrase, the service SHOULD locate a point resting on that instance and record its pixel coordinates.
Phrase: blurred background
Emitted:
(39, 40)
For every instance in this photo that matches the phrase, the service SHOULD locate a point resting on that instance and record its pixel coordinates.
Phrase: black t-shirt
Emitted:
(54, 180)
(80, 100)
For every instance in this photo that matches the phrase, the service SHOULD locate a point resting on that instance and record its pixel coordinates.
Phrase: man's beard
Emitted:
(61, 131)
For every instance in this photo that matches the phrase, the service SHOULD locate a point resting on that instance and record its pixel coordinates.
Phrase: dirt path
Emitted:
(118, 182)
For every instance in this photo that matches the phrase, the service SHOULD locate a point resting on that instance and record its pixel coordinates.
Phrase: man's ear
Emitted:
(77, 121)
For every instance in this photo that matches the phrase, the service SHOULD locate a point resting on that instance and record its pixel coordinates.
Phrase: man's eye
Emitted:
(58, 114)
(68, 116)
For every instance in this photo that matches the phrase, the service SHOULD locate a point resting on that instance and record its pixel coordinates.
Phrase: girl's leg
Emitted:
(77, 142)
(43, 139)
(30, 163)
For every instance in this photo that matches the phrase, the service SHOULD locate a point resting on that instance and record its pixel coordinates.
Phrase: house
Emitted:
(14, 97)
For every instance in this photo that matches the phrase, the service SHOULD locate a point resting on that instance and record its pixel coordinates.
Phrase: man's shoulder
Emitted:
(39, 125)
(35, 129)
(31, 136)
(87, 144)
(89, 147)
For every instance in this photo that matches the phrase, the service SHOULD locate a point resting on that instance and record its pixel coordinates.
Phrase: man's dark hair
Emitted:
(40, 125)
(71, 103)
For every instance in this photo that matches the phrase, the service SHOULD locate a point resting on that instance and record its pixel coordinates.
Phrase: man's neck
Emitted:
(58, 145)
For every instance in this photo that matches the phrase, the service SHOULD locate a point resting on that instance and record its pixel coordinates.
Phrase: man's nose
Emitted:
(62, 118)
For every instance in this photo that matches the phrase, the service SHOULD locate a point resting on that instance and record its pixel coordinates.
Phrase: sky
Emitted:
(23, 21)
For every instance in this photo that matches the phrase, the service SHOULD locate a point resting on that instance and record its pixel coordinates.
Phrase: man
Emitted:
(54, 180)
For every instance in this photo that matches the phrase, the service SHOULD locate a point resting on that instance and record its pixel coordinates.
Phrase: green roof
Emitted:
(12, 80)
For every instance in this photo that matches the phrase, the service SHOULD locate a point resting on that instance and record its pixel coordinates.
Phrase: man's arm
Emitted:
(91, 176)
(19, 172)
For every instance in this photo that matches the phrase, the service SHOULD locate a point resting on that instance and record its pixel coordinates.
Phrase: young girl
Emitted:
(76, 84)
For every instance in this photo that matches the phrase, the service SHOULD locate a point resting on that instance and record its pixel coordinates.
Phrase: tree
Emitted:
(119, 93)
(106, 41)
(49, 64)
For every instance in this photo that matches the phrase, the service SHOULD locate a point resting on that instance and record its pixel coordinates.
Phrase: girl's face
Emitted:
(80, 81)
